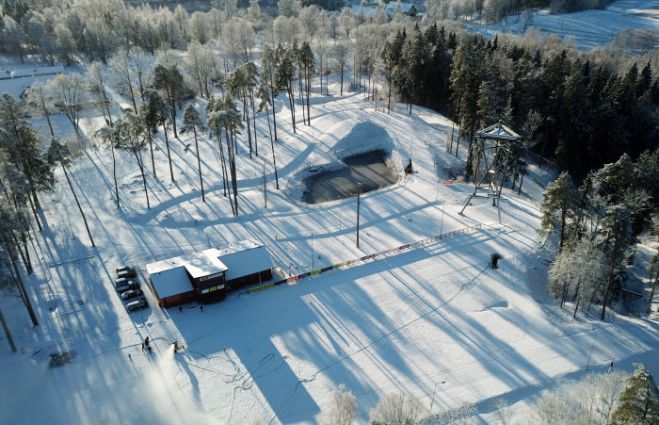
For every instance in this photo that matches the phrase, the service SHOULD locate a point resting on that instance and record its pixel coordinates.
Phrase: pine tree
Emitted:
(23, 149)
(192, 121)
(157, 112)
(560, 199)
(215, 125)
(264, 103)
(59, 154)
(109, 134)
(131, 139)
(168, 79)
(269, 63)
(639, 401)
(617, 227)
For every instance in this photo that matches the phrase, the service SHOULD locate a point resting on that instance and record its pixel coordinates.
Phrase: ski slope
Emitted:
(434, 322)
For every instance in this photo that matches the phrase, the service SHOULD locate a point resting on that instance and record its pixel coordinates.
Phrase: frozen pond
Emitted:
(362, 173)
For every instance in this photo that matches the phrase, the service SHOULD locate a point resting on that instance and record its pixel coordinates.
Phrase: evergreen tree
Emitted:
(617, 227)
(285, 76)
(131, 139)
(59, 154)
(192, 121)
(560, 200)
(168, 79)
(639, 401)
(264, 103)
(109, 134)
(269, 63)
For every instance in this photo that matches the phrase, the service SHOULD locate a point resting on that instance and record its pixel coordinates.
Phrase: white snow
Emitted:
(588, 28)
(434, 322)
(243, 259)
(170, 281)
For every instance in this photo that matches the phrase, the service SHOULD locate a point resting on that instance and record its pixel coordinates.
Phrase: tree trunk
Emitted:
(654, 287)
(249, 127)
(34, 212)
(234, 176)
(274, 159)
(173, 106)
(563, 294)
(153, 161)
(291, 102)
(138, 158)
(169, 155)
(341, 80)
(321, 75)
(608, 285)
(21, 287)
(272, 95)
(10, 340)
(223, 164)
(563, 220)
(141, 83)
(130, 88)
(256, 141)
(389, 96)
(27, 259)
(75, 197)
(301, 91)
(114, 173)
(21, 253)
(201, 180)
(576, 307)
(47, 115)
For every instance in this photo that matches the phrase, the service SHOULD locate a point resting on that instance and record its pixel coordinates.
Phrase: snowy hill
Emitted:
(435, 321)
(588, 28)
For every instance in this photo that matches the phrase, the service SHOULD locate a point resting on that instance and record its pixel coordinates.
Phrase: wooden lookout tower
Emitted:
(497, 149)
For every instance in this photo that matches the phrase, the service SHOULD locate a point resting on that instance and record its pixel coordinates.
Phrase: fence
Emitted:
(375, 256)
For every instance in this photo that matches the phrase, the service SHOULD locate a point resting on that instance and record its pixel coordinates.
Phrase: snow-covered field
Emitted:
(434, 322)
(588, 28)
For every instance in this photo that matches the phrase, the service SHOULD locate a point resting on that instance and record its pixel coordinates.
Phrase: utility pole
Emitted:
(358, 208)
(9, 338)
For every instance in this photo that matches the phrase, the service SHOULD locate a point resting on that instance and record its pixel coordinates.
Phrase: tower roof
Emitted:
(498, 131)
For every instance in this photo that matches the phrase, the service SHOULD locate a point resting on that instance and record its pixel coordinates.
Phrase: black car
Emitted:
(131, 293)
(121, 285)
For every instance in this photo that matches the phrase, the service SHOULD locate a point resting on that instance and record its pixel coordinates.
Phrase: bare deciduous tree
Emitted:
(397, 409)
(343, 408)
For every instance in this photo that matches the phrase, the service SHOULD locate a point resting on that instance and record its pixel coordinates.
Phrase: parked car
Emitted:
(136, 304)
(126, 271)
(122, 285)
(131, 293)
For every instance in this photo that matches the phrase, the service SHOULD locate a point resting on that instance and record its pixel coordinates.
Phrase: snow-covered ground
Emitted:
(434, 322)
(588, 28)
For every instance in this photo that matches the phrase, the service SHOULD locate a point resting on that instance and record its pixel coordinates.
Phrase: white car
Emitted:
(136, 304)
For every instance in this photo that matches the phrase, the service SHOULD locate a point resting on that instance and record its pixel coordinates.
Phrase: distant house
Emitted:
(405, 8)
(208, 275)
